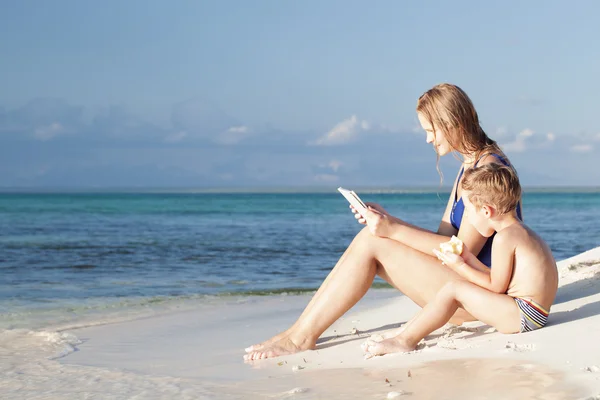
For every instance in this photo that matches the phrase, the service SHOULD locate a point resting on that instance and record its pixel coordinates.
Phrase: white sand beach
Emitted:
(197, 354)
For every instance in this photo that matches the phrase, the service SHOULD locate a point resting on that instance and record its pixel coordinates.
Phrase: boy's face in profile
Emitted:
(479, 218)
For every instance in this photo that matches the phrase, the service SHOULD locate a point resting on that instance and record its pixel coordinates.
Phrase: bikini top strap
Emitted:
(498, 156)
(462, 170)
(460, 174)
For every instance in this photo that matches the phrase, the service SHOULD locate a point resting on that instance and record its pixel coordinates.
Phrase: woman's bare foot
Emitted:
(392, 345)
(281, 347)
(261, 345)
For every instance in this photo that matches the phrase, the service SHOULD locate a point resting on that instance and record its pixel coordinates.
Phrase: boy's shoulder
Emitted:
(511, 235)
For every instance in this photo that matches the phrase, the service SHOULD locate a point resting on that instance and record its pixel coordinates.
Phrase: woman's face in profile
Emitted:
(435, 137)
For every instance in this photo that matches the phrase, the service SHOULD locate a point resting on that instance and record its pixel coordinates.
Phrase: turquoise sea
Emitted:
(71, 253)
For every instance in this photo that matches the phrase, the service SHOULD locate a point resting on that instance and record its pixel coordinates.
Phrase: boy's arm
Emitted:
(472, 261)
(498, 278)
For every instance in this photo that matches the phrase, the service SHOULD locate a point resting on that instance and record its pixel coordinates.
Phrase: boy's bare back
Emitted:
(535, 275)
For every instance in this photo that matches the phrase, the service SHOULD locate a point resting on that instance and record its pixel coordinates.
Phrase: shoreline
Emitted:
(576, 309)
(197, 352)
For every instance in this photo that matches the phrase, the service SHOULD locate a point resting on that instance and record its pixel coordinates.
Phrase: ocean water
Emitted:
(75, 260)
(66, 255)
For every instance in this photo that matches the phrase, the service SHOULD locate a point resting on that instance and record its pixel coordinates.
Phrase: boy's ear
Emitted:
(488, 211)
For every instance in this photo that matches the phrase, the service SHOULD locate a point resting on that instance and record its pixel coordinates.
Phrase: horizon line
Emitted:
(276, 189)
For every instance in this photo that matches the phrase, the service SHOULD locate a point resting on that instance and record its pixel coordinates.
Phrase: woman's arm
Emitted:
(424, 240)
(446, 227)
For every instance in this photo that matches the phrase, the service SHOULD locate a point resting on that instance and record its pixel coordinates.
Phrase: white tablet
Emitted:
(353, 199)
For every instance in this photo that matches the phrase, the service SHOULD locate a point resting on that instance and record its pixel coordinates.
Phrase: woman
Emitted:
(396, 251)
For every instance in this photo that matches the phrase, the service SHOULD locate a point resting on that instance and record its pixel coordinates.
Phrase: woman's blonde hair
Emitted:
(447, 107)
(493, 185)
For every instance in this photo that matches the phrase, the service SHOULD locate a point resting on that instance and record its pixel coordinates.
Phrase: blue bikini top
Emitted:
(458, 209)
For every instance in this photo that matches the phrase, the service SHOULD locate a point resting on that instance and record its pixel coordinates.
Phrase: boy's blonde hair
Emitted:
(493, 185)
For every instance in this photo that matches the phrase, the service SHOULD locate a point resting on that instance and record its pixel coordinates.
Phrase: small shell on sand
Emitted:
(297, 368)
(520, 347)
(592, 368)
(454, 330)
(297, 390)
(393, 395)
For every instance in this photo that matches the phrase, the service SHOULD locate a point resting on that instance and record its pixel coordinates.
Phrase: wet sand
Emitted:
(467, 379)
(197, 354)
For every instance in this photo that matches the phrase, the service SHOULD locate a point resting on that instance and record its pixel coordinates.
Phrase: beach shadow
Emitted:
(327, 341)
(585, 311)
(571, 291)
(369, 331)
(578, 289)
(481, 330)
(330, 341)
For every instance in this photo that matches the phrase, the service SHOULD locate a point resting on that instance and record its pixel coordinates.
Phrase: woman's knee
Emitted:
(367, 246)
(375, 243)
(365, 240)
(364, 234)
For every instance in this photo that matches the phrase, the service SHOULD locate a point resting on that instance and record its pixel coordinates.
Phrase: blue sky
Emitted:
(272, 93)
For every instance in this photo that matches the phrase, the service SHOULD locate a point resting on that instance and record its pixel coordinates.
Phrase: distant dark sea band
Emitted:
(79, 249)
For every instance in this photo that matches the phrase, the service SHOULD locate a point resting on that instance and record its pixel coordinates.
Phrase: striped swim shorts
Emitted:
(533, 316)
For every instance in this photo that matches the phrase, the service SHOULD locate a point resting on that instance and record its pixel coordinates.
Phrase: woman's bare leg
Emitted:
(418, 275)
(316, 296)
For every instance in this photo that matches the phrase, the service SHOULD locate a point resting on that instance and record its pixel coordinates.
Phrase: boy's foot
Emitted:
(281, 347)
(378, 337)
(392, 345)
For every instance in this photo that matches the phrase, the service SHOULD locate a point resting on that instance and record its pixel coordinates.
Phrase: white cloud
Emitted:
(528, 139)
(526, 132)
(344, 132)
(582, 148)
(501, 132)
(176, 137)
(238, 129)
(417, 129)
(518, 145)
(48, 132)
(326, 178)
(335, 165)
(200, 118)
(233, 135)
(226, 176)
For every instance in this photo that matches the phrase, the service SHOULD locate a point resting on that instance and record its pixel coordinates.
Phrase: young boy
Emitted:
(513, 296)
